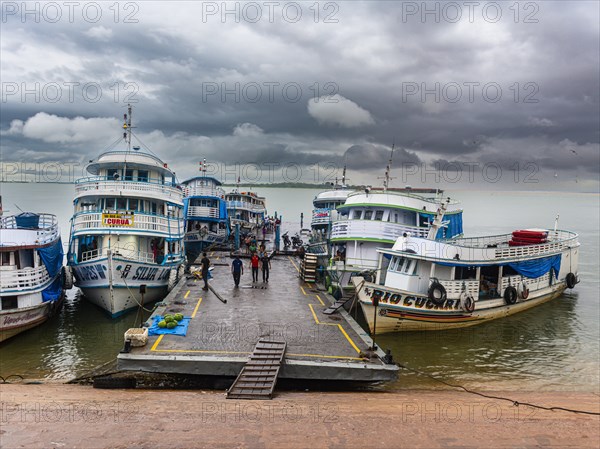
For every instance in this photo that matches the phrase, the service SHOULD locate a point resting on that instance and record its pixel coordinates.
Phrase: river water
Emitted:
(555, 346)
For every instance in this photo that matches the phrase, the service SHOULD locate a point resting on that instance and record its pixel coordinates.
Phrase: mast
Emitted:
(127, 136)
(387, 178)
(437, 221)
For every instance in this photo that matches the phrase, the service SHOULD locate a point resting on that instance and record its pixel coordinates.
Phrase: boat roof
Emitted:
(133, 159)
(215, 181)
(337, 194)
(401, 200)
(486, 250)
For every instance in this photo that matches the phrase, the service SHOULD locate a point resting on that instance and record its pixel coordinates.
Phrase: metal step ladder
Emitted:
(309, 267)
(259, 375)
(336, 305)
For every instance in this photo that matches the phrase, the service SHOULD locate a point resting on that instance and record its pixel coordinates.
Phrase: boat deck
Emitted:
(221, 335)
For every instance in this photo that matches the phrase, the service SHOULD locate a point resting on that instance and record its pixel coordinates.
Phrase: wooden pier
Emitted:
(221, 336)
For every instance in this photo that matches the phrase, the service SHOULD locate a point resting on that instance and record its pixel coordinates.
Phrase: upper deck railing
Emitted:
(196, 190)
(86, 222)
(24, 279)
(150, 188)
(373, 229)
(14, 235)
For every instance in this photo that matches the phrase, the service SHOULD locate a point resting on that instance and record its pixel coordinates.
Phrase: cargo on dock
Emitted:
(221, 336)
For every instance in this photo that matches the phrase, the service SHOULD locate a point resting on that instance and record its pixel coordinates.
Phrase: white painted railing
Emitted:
(196, 190)
(455, 288)
(157, 224)
(373, 229)
(24, 279)
(532, 284)
(131, 188)
(202, 211)
(122, 253)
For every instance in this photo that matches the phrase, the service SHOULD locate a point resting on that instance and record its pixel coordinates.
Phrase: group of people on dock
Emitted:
(258, 260)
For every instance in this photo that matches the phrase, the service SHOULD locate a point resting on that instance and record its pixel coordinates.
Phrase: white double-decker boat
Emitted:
(31, 274)
(127, 231)
(424, 284)
(245, 209)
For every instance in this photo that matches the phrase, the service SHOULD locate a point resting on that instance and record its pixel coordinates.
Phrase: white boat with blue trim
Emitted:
(205, 212)
(126, 245)
(245, 209)
(31, 271)
(427, 284)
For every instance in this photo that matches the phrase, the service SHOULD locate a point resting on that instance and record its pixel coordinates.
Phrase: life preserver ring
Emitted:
(510, 295)
(469, 304)
(524, 291)
(571, 280)
(436, 293)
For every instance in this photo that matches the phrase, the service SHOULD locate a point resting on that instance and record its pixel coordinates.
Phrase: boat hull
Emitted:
(13, 322)
(114, 285)
(194, 247)
(396, 318)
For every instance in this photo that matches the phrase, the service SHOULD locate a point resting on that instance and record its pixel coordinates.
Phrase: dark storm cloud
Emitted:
(548, 73)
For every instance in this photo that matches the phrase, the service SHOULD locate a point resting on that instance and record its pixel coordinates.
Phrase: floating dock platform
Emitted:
(221, 336)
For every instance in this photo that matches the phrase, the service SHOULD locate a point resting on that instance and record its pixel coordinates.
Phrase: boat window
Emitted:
(142, 175)
(379, 215)
(9, 302)
(357, 214)
(133, 204)
(109, 203)
(393, 264)
(368, 214)
(153, 207)
(121, 203)
(112, 173)
(141, 205)
(128, 175)
(412, 268)
(6, 258)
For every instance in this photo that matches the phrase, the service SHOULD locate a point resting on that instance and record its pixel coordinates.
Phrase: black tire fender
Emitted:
(436, 293)
(571, 280)
(510, 295)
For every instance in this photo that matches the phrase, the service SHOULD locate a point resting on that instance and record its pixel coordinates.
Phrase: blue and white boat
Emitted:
(246, 209)
(205, 212)
(31, 275)
(127, 229)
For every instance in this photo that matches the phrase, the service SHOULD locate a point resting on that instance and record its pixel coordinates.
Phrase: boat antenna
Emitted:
(18, 207)
(387, 178)
(437, 221)
(127, 126)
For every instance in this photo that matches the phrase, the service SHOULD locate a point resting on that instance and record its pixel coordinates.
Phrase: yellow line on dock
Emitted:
(204, 351)
(340, 327)
(196, 308)
(348, 338)
(294, 264)
(187, 294)
(320, 300)
(325, 356)
(157, 342)
(302, 288)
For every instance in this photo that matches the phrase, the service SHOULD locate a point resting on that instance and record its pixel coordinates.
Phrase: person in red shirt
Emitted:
(254, 265)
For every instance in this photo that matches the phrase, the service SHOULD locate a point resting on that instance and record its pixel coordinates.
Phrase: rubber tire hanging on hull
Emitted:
(469, 304)
(510, 295)
(571, 280)
(436, 293)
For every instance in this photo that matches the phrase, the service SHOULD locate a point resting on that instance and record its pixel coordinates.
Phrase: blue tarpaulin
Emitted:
(180, 329)
(28, 220)
(52, 257)
(537, 267)
(453, 227)
(54, 291)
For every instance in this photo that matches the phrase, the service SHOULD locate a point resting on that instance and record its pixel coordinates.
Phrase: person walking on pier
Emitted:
(254, 265)
(205, 262)
(266, 266)
(237, 269)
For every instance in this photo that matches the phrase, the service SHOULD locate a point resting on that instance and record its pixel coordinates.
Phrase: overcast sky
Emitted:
(503, 95)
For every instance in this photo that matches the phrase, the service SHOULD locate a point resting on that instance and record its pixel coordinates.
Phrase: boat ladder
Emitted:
(259, 375)
(309, 267)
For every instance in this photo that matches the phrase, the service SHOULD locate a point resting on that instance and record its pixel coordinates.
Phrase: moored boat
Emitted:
(31, 271)
(205, 212)
(246, 209)
(427, 284)
(126, 245)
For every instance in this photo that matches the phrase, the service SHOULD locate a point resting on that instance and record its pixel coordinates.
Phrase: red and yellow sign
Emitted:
(120, 220)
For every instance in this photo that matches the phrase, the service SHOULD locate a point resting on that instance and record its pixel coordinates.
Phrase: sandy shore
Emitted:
(73, 416)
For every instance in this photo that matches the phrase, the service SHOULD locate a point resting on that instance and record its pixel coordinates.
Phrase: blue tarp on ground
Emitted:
(180, 329)
(52, 256)
(54, 291)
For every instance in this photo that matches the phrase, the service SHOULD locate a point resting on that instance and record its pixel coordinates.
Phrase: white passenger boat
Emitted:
(127, 229)
(375, 218)
(31, 274)
(205, 212)
(245, 209)
(424, 284)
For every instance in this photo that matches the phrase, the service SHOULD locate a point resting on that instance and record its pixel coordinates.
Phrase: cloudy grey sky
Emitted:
(500, 94)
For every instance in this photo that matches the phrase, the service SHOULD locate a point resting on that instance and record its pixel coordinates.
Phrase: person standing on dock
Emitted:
(254, 265)
(205, 262)
(266, 266)
(237, 269)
